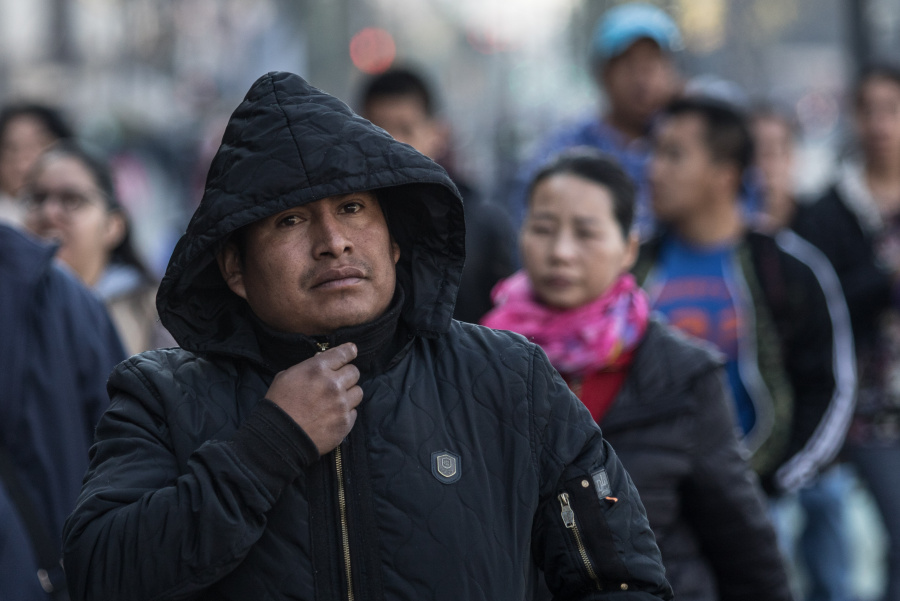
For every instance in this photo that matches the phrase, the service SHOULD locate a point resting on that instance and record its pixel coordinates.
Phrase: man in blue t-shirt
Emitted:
(773, 306)
(696, 288)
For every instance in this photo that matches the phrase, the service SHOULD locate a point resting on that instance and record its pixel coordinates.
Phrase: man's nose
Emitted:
(330, 238)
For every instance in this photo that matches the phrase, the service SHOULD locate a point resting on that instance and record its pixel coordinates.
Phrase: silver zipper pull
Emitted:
(568, 515)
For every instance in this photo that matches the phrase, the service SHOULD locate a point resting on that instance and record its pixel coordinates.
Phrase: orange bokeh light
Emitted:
(372, 50)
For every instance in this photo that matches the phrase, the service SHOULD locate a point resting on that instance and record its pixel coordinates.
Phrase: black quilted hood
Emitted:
(289, 144)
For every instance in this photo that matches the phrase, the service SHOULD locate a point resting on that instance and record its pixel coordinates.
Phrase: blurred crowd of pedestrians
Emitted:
(738, 345)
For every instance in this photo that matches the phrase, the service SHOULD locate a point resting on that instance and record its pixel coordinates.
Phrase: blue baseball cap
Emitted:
(623, 25)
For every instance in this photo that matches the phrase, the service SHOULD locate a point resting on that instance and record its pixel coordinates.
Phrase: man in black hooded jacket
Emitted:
(326, 430)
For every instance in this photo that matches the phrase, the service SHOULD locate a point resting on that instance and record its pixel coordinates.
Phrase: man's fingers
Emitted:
(339, 356)
(347, 376)
(355, 396)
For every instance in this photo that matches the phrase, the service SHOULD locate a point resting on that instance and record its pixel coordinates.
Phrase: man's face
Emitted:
(316, 268)
(774, 144)
(682, 170)
(878, 119)
(406, 120)
(639, 82)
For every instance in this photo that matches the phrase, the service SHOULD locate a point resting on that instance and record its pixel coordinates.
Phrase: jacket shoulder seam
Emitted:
(144, 380)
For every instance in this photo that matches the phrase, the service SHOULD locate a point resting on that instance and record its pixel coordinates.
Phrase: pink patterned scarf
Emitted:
(577, 341)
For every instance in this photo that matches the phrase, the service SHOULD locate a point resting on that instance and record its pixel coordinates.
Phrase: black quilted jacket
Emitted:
(470, 470)
(673, 427)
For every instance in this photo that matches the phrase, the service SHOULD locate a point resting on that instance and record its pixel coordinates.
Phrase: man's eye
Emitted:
(352, 207)
(289, 220)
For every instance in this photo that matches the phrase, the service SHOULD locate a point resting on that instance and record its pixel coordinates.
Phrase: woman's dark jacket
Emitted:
(673, 427)
(465, 441)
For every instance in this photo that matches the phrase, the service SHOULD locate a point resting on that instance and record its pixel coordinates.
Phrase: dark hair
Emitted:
(776, 112)
(599, 168)
(49, 117)
(398, 82)
(876, 70)
(124, 253)
(727, 134)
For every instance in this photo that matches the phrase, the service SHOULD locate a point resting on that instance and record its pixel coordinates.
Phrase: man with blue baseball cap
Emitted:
(631, 56)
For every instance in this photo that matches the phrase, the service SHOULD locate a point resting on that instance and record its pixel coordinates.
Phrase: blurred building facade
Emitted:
(153, 81)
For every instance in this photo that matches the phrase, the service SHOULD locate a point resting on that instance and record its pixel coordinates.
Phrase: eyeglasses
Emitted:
(69, 201)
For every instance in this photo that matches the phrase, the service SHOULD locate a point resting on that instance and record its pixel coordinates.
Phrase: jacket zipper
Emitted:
(568, 517)
(342, 503)
(345, 531)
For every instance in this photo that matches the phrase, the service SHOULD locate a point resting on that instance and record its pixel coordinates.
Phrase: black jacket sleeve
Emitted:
(143, 528)
(819, 360)
(723, 502)
(835, 231)
(590, 536)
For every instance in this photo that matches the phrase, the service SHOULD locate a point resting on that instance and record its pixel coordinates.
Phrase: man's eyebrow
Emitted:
(364, 193)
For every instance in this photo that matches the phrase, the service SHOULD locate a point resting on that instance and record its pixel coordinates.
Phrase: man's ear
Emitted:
(395, 250)
(231, 266)
(728, 176)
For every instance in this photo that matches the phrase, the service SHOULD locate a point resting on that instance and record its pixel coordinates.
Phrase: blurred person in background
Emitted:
(632, 61)
(773, 138)
(772, 305)
(400, 102)
(660, 399)
(824, 538)
(25, 131)
(57, 348)
(856, 223)
(69, 197)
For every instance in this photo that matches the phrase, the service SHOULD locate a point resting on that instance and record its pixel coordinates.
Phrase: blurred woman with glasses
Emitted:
(660, 399)
(69, 197)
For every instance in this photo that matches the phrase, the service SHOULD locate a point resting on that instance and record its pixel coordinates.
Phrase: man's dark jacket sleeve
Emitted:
(135, 509)
(577, 465)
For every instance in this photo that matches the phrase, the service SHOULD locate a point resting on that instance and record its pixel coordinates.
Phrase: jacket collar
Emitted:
(658, 377)
(373, 340)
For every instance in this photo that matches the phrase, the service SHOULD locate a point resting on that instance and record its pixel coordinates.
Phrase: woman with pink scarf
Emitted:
(661, 399)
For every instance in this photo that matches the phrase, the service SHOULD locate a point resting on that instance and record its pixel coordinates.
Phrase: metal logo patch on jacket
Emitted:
(445, 466)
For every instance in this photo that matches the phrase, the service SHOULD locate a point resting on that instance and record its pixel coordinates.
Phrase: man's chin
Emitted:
(328, 324)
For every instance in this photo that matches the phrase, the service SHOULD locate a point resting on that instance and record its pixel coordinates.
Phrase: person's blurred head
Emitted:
(70, 197)
(401, 102)
(773, 141)
(701, 149)
(631, 55)
(877, 113)
(576, 240)
(25, 131)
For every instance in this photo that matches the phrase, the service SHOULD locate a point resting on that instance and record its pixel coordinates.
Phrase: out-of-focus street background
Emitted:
(153, 81)
(151, 84)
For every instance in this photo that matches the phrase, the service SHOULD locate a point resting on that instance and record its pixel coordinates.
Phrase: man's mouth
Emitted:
(338, 277)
